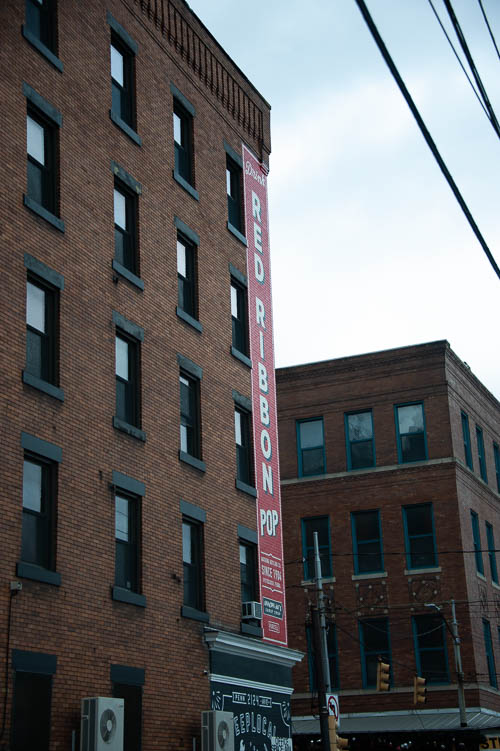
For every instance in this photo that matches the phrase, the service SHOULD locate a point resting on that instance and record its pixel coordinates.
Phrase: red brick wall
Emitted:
(78, 621)
(434, 375)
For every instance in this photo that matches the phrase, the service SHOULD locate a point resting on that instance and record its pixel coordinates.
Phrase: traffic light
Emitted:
(383, 678)
(419, 690)
(336, 742)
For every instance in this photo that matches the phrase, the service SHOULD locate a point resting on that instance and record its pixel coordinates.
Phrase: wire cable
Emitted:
(458, 58)
(411, 104)
(472, 65)
(489, 27)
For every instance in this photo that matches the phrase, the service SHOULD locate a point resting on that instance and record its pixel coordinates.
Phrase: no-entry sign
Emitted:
(332, 702)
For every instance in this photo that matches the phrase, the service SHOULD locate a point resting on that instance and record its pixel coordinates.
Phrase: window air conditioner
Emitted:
(217, 731)
(101, 726)
(251, 611)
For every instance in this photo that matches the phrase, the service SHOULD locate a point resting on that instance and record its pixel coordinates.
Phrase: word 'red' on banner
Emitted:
(264, 413)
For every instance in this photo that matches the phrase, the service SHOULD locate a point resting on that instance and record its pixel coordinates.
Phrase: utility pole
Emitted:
(458, 657)
(323, 666)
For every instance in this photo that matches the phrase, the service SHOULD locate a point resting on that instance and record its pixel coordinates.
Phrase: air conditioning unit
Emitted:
(251, 611)
(101, 725)
(217, 731)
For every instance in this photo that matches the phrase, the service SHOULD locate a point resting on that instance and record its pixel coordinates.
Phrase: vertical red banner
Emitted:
(264, 413)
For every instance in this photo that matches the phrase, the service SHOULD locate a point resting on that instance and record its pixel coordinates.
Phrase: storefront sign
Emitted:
(261, 718)
(264, 414)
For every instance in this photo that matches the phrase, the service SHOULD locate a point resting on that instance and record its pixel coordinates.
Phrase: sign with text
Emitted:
(261, 716)
(264, 414)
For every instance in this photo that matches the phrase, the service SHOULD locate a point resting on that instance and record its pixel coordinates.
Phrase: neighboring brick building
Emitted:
(129, 503)
(393, 457)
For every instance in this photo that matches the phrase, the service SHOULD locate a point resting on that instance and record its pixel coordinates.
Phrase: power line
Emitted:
(390, 63)
(458, 58)
(472, 65)
(489, 27)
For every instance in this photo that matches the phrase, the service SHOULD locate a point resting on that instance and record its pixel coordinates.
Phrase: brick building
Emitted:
(129, 529)
(393, 458)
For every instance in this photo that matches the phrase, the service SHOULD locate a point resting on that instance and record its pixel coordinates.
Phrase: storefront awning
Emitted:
(396, 722)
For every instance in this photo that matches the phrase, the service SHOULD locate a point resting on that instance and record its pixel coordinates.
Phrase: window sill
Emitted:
(245, 488)
(45, 386)
(495, 585)
(189, 319)
(42, 49)
(43, 213)
(128, 275)
(374, 575)
(241, 357)
(192, 461)
(187, 186)
(130, 132)
(480, 576)
(120, 594)
(130, 430)
(239, 236)
(38, 573)
(250, 630)
(324, 579)
(430, 570)
(196, 615)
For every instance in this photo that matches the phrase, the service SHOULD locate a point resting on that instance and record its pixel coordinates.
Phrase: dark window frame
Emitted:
(490, 540)
(361, 559)
(190, 419)
(127, 406)
(249, 587)
(370, 656)
(194, 569)
(244, 450)
(404, 438)
(476, 539)
(353, 463)
(410, 537)
(325, 549)
(40, 29)
(127, 255)
(466, 438)
(44, 521)
(333, 657)
(43, 199)
(130, 554)
(481, 454)
(496, 458)
(43, 173)
(184, 151)
(300, 449)
(123, 111)
(424, 626)
(239, 322)
(490, 654)
(234, 191)
(47, 369)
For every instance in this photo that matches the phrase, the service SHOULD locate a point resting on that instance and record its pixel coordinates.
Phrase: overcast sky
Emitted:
(370, 250)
